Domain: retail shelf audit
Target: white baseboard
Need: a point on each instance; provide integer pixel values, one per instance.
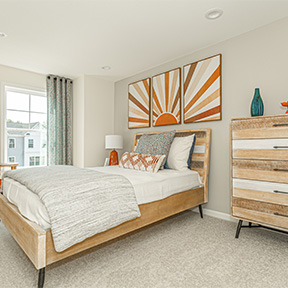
(216, 214)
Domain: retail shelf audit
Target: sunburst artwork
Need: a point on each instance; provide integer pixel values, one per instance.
(166, 98)
(202, 90)
(139, 104)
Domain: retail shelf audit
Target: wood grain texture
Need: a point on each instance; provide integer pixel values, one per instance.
(275, 154)
(260, 217)
(259, 122)
(29, 236)
(258, 186)
(261, 175)
(260, 206)
(276, 198)
(261, 133)
(268, 165)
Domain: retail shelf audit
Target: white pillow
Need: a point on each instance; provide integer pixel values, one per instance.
(179, 153)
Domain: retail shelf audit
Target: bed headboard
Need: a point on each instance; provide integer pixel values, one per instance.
(201, 154)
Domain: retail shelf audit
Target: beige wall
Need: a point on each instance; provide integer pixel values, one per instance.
(98, 117)
(93, 118)
(255, 59)
(19, 78)
(78, 122)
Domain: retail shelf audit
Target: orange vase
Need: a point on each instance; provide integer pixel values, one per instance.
(113, 158)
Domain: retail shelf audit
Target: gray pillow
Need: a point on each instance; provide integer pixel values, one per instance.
(155, 144)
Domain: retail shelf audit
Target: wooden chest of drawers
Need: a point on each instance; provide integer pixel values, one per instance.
(259, 170)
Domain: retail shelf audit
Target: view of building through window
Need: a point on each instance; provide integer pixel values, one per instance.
(26, 126)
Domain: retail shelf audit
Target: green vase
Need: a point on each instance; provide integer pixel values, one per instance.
(257, 106)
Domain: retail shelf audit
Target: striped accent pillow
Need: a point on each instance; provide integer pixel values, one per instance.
(143, 162)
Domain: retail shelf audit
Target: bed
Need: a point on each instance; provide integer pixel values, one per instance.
(37, 242)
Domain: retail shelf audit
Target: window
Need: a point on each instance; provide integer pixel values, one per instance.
(12, 143)
(34, 160)
(11, 159)
(26, 124)
(30, 143)
(31, 161)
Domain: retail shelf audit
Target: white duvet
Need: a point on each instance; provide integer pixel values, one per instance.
(148, 187)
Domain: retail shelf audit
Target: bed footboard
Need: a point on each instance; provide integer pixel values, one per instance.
(29, 236)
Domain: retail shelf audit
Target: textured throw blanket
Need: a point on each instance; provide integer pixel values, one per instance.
(80, 202)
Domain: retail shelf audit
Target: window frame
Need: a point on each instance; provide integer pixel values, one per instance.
(3, 132)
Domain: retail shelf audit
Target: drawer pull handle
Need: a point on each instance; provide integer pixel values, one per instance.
(279, 214)
(277, 191)
(282, 170)
(278, 147)
(282, 124)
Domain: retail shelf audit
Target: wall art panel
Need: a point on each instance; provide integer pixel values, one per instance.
(202, 90)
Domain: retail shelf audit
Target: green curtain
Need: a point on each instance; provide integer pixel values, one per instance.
(59, 128)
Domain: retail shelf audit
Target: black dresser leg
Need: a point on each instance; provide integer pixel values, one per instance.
(201, 211)
(41, 278)
(238, 228)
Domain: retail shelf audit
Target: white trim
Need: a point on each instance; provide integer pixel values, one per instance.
(216, 214)
(18, 88)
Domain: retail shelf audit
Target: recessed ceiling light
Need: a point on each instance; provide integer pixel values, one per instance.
(106, 67)
(213, 14)
(2, 34)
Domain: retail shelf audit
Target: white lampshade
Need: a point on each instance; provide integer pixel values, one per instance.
(113, 142)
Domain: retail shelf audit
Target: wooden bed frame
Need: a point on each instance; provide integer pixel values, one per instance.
(38, 243)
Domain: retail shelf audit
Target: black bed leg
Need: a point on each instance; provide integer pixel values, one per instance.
(41, 278)
(238, 228)
(201, 211)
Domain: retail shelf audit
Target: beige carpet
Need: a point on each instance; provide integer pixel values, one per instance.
(183, 251)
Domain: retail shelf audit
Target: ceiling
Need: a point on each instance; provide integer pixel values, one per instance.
(77, 37)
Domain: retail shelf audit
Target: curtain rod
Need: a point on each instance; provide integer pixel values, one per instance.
(60, 79)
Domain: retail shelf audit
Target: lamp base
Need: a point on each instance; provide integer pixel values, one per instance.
(113, 158)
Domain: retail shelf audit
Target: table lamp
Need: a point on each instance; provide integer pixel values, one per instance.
(113, 142)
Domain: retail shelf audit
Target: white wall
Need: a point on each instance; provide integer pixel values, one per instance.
(93, 112)
(19, 78)
(255, 59)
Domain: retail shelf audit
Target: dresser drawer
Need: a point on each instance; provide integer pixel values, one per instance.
(273, 192)
(270, 208)
(260, 217)
(260, 127)
(270, 197)
(270, 149)
(273, 171)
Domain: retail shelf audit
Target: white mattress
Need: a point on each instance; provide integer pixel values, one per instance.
(148, 187)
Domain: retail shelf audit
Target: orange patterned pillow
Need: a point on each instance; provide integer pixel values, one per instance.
(143, 162)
